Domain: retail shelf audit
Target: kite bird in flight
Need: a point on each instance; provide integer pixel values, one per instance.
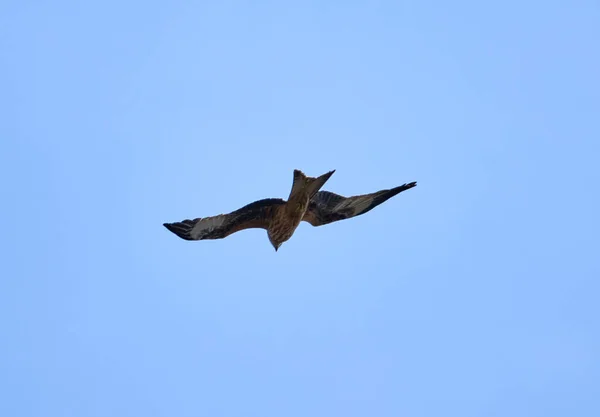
(281, 218)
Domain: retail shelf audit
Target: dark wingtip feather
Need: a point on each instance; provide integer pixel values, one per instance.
(402, 187)
(387, 194)
(181, 229)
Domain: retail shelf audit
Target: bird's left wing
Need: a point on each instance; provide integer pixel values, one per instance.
(253, 215)
(327, 207)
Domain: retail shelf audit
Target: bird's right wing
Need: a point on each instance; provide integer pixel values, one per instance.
(327, 207)
(253, 215)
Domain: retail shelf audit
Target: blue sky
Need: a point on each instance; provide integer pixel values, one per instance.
(474, 294)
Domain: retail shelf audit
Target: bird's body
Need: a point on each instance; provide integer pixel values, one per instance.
(283, 224)
(281, 218)
(287, 217)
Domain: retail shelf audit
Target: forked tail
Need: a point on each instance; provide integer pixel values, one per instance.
(309, 185)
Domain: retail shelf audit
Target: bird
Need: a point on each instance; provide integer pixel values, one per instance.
(280, 218)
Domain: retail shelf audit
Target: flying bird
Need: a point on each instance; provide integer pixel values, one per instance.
(280, 218)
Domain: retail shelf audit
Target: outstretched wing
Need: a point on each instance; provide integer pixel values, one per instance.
(254, 215)
(326, 207)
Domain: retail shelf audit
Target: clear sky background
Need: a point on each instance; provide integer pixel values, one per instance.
(474, 294)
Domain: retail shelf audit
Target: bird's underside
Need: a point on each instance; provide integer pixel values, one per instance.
(280, 217)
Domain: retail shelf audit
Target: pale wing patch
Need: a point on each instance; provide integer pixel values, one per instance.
(206, 226)
(356, 204)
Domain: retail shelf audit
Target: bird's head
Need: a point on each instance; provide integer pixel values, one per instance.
(276, 245)
(274, 242)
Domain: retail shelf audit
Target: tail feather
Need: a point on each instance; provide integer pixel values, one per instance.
(310, 185)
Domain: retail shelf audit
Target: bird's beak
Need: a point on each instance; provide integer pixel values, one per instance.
(276, 247)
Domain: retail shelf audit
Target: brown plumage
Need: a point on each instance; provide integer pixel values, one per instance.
(281, 218)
